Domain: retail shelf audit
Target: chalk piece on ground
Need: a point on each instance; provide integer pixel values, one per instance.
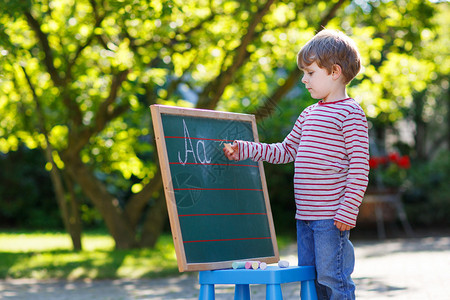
(228, 146)
(238, 264)
(283, 264)
(263, 266)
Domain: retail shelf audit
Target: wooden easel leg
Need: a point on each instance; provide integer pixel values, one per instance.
(242, 292)
(308, 290)
(206, 292)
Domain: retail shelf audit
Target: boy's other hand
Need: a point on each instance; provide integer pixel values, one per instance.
(231, 151)
(342, 226)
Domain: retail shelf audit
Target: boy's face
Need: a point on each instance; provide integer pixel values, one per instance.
(318, 82)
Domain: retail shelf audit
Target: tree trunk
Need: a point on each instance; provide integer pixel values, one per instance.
(154, 223)
(109, 207)
(71, 218)
(138, 202)
(75, 225)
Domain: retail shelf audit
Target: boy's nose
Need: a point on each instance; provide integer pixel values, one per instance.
(304, 79)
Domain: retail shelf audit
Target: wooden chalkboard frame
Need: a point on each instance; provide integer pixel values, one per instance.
(183, 265)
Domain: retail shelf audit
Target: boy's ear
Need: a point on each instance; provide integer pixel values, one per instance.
(336, 71)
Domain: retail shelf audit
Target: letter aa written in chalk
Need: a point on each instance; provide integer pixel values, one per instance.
(199, 154)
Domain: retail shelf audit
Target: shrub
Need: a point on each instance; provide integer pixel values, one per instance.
(427, 196)
(26, 194)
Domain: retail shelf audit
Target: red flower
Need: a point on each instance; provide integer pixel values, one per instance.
(394, 157)
(373, 162)
(404, 162)
(388, 171)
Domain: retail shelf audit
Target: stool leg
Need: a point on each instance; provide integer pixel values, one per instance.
(273, 292)
(242, 292)
(308, 290)
(206, 292)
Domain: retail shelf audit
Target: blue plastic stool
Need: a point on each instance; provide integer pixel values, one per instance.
(272, 277)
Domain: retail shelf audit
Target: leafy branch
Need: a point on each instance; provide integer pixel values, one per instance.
(267, 108)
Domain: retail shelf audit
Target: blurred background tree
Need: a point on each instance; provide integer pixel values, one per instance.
(77, 77)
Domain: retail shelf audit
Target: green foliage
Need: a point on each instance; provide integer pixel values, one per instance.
(26, 194)
(399, 45)
(27, 199)
(95, 67)
(13, 7)
(427, 197)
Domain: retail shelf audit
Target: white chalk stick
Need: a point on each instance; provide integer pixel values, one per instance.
(283, 264)
(263, 266)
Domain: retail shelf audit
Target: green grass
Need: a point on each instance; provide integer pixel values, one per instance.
(45, 255)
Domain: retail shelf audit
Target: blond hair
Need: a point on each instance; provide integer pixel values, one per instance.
(328, 48)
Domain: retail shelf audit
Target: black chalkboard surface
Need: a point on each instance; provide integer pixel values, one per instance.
(219, 210)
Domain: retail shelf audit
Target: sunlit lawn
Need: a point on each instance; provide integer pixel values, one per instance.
(46, 255)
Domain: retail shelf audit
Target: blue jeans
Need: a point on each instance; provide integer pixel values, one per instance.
(322, 245)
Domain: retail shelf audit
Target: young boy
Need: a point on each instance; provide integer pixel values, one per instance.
(329, 144)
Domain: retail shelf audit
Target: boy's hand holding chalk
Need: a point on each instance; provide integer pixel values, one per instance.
(228, 147)
(231, 151)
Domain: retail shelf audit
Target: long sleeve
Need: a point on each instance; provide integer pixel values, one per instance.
(330, 147)
(356, 141)
(277, 153)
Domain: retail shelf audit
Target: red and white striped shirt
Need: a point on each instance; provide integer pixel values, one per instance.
(330, 146)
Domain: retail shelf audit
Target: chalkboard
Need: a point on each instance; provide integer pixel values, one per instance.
(219, 210)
